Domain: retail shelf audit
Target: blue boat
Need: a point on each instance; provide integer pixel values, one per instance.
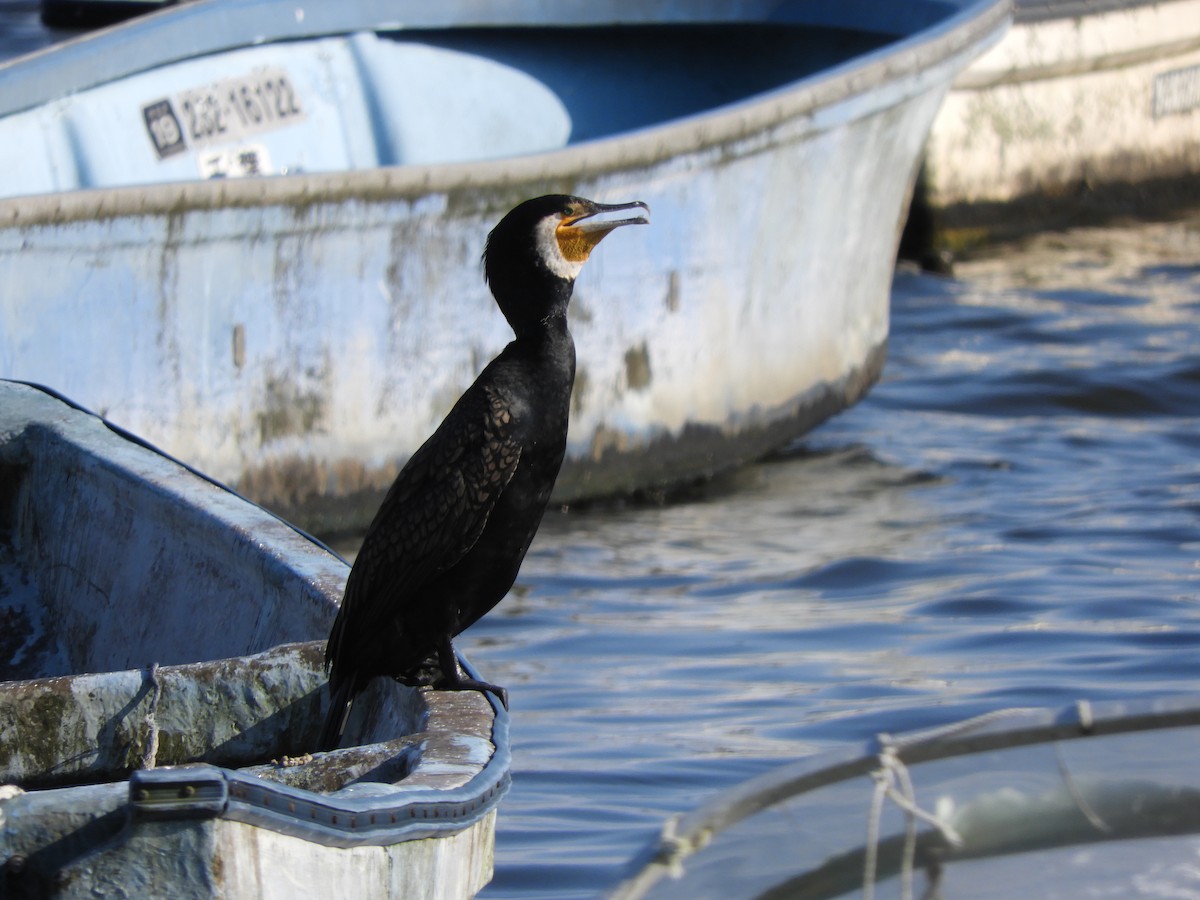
(250, 231)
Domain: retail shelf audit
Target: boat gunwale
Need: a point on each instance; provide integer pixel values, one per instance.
(1001, 729)
(978, 24)
(402, 812)
(1077, 62)
(1054, 10)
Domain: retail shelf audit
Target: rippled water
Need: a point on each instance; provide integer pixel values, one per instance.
(1011, 518)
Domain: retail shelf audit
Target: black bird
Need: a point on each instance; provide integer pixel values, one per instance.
(446, 545)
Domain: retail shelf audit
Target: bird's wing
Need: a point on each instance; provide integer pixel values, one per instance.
(432, 515)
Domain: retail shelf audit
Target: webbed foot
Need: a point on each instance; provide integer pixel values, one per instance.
(454, 680)
(474, 684)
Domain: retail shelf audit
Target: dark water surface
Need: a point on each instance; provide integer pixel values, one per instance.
(1012, 518)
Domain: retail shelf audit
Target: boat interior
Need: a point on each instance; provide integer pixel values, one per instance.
(114, 556)
(149, 617)
(408, 97)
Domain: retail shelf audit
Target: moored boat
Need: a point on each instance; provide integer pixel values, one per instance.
(163, 682)
(298, 336)
(1084, 110)
(1016, 802)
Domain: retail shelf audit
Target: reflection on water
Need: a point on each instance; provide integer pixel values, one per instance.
(1011, 518)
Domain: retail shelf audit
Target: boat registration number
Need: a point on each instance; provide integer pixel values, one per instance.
(224, 112)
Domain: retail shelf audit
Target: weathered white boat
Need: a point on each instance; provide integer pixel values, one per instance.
(1006, 805)
(180, 770)
(1086, 106)
(299, 336)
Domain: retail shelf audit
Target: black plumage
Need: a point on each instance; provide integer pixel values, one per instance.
(450, 536)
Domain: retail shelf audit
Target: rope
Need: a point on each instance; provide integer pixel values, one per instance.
(909, 798)
(674, 848)
(1076, 796)
(148, 755)
(871, 859)
(893, 782)
(1083, 709)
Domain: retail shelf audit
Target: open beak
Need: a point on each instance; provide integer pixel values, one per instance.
(579, 234)
(604, 217)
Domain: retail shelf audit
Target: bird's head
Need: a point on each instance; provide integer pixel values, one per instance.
(534, 255)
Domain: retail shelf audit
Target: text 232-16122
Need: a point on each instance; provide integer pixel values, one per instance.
(239, 106)
(224, 112)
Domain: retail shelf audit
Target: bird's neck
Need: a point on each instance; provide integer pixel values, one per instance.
(532, 303)
(549, 341)
(550, 331)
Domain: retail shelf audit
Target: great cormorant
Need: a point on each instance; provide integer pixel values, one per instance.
(449, 538)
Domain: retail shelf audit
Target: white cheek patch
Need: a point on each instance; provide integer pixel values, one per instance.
(550, 253)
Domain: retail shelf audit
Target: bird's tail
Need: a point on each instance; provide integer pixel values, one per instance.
(338, 715)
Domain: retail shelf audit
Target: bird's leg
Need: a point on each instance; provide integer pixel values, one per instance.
(452, 679)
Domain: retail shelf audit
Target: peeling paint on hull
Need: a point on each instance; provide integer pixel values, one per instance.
(613, 467)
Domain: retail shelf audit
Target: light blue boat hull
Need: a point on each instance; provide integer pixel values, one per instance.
(299, 336)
